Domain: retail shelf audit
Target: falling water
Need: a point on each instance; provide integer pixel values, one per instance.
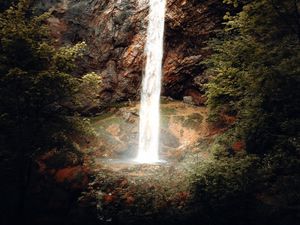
(151, 85)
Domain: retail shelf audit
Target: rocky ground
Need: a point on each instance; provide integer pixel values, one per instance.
(182, 125)
(111, 187)
(125, 192)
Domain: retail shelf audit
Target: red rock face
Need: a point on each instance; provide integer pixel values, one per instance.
(115, 32)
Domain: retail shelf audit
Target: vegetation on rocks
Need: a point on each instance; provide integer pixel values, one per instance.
(255, 74)
(252, 92)
(236, 161)
(37, 98)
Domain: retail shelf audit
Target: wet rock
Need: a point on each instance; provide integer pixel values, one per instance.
(114, 129)
(115, 32)
(128, 115)
(169, 140)
(117, 133)
(188, 100)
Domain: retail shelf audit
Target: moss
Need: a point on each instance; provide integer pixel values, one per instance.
(193, 121)
(119, 105)
(107, 120)
(169, 140)
(113, 120)
(179, 119)
(100, 117)
(165, 121)
(167, 111)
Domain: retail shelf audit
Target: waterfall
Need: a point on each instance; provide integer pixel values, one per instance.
(149, 127)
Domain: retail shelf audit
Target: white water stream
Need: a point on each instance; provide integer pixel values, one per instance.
(148, 149)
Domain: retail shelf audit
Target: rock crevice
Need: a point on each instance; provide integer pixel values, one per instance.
(115, 32)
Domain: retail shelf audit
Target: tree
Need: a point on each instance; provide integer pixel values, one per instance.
(36, 88)
(4, 4)
(254, 79)
(255, 73)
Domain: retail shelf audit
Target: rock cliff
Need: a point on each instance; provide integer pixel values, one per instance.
(115, 32)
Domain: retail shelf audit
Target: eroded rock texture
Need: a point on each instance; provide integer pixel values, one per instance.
(115, 31)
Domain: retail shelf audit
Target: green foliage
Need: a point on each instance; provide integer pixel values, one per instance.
(226, 181)
(255, 73)
(34, 80)
(254, 78)
(4, 4)
(234, 2)
(89, 95)
(281, 175)
(138, 194)
(249, 190)
(37, 95)
(225, 190)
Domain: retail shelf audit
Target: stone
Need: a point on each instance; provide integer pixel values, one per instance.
(188, 100)
(197, 97)
(168, 139)
(115, 32)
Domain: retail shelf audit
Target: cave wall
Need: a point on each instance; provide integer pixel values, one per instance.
(115, 32)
